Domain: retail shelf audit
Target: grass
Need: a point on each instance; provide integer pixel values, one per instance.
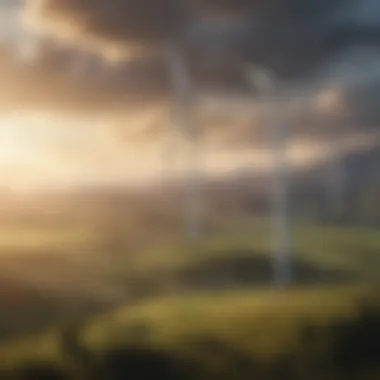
(227, 258)
(347, 249)
(214, 330)
(29, 239)
(252, 319)
(326, 246)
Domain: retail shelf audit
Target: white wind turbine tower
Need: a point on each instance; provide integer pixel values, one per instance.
(183, 116)
(210, 35)
(264, 82)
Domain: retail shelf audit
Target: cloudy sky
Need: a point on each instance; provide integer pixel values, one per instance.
(86, 93)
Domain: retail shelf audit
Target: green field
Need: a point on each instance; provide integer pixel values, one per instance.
(235, 335)
(211, 306)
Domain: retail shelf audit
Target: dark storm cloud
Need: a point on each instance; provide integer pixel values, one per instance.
(291, 37)
(54, 81)
(288, 36)
(135, 21)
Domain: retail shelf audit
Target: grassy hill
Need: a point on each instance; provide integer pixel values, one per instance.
(208, 310)
(318, 332)
(92, 275)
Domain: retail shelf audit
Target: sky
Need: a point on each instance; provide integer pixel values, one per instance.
(86, 94)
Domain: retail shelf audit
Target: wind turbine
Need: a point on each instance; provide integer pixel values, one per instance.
(263, 81)
(211, 37)
(212, 34)
(183, 115)
(218, 35)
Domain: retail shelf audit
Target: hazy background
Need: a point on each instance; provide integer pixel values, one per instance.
(94, 176)
(76, 112)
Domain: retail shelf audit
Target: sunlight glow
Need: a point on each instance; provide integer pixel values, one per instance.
(33, 148)
(13, 147)
(45, 150)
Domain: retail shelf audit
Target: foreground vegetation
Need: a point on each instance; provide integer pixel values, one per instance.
(92, 273)
(205, 311)
(320, 332)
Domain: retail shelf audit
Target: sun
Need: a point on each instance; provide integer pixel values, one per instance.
(27, 150)
(44, 149)
(29, 138)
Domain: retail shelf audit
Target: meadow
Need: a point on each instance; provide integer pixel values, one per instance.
(85, 301)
